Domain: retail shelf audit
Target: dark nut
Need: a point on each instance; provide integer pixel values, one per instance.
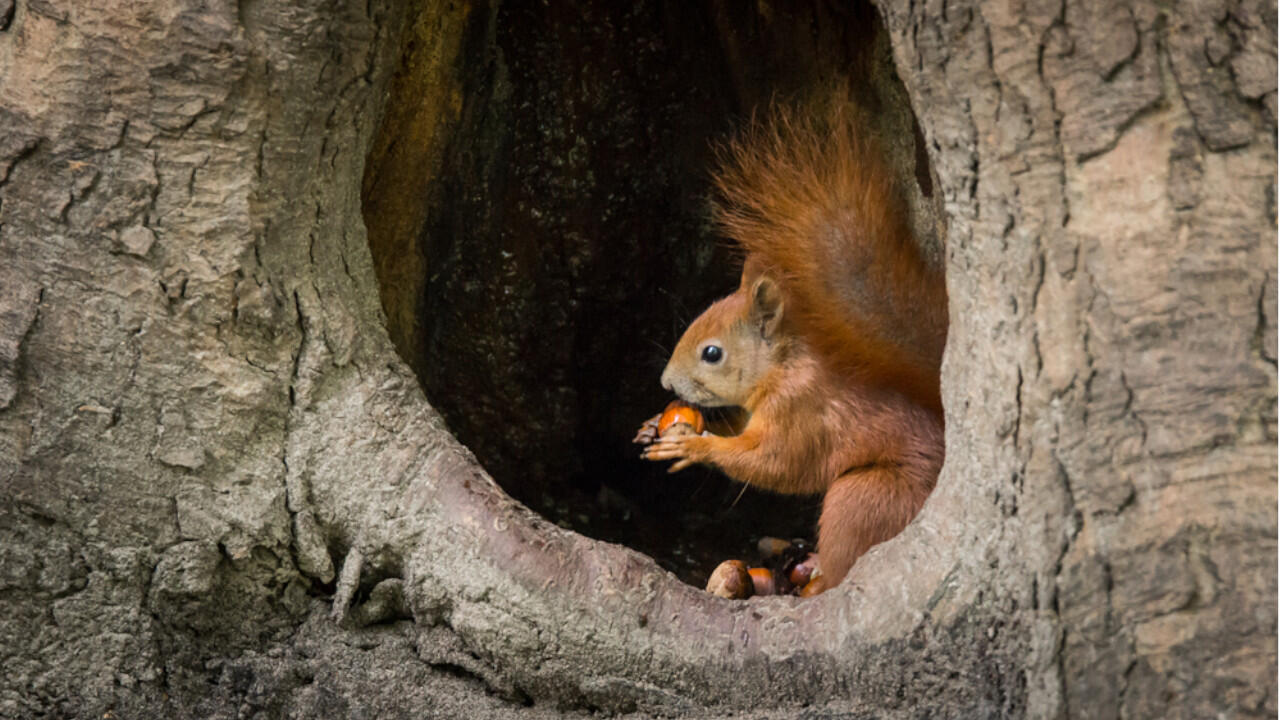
(771, 547)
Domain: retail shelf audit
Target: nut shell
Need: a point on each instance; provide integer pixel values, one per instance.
(679, 412)
(803, 571)
(814, 587)
(730, 580)
(762, 581)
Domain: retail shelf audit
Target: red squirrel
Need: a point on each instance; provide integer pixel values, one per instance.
(831, 344)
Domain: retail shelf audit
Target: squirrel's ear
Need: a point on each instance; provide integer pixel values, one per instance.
(766, 306)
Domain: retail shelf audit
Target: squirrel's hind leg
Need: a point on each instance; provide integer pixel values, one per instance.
(864, 507)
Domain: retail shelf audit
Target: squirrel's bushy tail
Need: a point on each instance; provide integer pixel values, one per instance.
(809, 198)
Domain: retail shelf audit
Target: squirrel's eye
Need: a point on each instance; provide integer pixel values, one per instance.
(712, 354)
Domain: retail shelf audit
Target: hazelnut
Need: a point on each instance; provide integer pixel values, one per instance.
(803, 571)
(730, 580)
(762, 581)
(680, 413)
(814, 586)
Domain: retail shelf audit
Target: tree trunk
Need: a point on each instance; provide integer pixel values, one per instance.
(225, 494)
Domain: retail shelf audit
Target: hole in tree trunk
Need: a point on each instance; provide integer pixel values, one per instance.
(537, 210)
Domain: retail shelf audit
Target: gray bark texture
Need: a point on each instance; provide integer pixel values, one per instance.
(223, 494)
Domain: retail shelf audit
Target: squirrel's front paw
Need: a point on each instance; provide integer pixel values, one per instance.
(648, 432)
(684, 449)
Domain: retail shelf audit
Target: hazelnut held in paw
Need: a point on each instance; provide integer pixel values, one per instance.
(679, 418)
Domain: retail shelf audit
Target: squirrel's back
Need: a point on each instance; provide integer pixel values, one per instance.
(809, 198)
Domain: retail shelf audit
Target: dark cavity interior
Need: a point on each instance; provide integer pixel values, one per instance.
(537, 210)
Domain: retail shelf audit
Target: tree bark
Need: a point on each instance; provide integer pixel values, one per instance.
(1110, 179)
(225, 495)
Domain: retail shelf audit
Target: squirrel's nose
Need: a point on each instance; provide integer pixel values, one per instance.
(666, 379)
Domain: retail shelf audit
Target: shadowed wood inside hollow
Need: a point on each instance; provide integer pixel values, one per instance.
(539, 225)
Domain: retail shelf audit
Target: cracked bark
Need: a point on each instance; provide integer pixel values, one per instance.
(196, 436)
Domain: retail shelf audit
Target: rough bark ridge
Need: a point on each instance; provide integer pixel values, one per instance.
(207, 441)
(1109, 172)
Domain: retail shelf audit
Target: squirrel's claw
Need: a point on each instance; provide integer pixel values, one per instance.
(648, 431)
(681, 448)
(664, 449)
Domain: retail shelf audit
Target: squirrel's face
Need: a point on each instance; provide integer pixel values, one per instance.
(726, 351)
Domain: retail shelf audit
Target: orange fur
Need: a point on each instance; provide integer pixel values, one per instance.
(848, 402)
(810, 201)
